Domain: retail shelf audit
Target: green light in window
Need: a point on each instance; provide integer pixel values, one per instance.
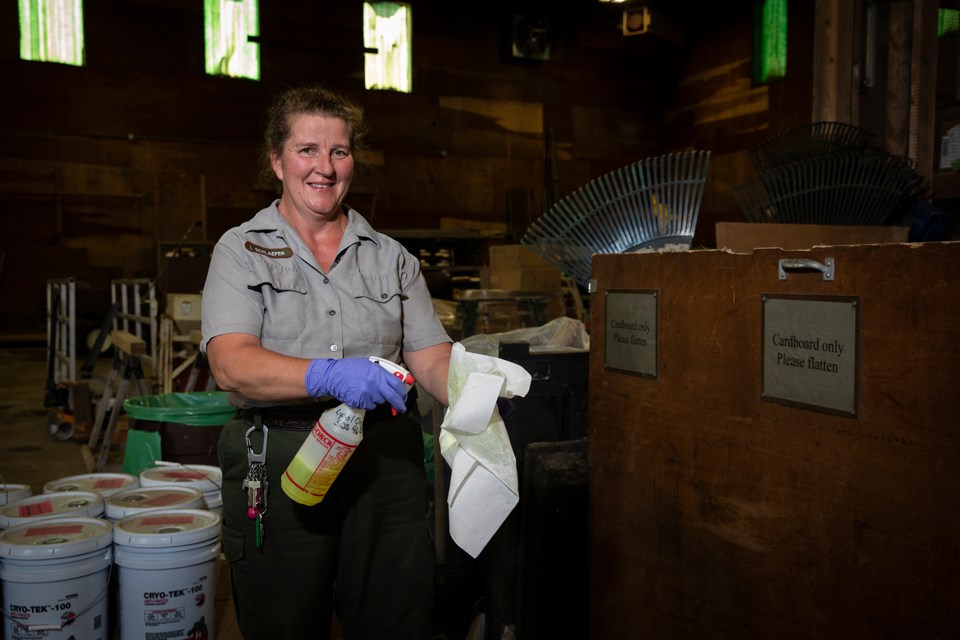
(387, 28)
(52, 31)
(770, 40)
(948, 21)
(227, 27)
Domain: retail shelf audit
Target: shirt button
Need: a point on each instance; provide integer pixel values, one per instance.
(383, 296)
(334, 347)
(326, 281)
(332, 312)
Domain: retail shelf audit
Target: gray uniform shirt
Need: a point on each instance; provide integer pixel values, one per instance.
(264, 281)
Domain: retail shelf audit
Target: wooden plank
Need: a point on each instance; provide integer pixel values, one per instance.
(715, 514)
(834, 95)
(923, 86)
(128, 343)
(899, 55)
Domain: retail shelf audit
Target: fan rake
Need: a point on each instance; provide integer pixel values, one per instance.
(851, 188)
(652, 203)
(807, 141)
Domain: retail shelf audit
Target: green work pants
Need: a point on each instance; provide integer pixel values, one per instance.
(365, 549)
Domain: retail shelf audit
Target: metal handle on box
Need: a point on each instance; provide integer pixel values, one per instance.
(827, 267)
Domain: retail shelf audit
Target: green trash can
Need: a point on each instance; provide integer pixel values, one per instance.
(188, 425)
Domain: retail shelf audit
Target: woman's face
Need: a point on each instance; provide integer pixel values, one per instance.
(315, 165)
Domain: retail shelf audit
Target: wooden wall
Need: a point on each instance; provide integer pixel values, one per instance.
(717, 107)
(119, 159)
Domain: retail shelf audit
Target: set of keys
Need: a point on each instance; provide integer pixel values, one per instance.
(256, 484)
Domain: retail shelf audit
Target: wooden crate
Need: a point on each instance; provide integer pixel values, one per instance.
(744, 237)
(716, 514)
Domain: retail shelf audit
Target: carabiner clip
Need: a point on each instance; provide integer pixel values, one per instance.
(261, 457)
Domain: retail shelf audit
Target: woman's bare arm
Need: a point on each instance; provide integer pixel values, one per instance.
(429, 367)
(240, 364)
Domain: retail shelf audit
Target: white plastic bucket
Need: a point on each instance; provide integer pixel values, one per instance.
(106, 484)
(213, 501)
(135, 501)
(167, 573)
(47, 506)
(10, 493)
(202, 477)
(55, 576)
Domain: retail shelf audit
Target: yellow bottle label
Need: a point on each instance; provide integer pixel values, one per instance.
(322, 455)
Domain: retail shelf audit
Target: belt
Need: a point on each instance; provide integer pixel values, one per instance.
(298, 418)
(295, 418)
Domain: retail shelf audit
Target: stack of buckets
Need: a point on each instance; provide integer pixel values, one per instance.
(58, 550)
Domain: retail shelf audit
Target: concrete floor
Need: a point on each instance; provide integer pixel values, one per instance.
(29, 455)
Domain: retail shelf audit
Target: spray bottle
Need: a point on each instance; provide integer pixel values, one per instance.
(328, 447)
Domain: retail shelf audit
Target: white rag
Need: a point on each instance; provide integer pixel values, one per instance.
(484, 487)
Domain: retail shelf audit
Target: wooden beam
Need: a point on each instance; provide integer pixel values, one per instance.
(128, 343)
(899, 69)
(836, 71)
(923, 86)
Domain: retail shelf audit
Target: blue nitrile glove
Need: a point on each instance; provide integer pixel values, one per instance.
(360, 383)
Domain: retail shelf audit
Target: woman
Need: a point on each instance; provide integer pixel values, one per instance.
(296, 300)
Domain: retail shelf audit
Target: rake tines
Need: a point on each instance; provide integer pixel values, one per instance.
(853, 188)
(651, 203)
(805, 141)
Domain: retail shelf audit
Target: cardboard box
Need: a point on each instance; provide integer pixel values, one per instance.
(524, 279)
(184, 309)
(514, 267)
(744, 237)
(183, 306)
(516, 255)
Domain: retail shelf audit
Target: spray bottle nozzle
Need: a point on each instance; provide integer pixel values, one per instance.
(394, 369)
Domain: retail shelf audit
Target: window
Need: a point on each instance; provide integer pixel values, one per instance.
(227, 26)
(948, 21)
(769, 40)
(52, 31)
(387, 28)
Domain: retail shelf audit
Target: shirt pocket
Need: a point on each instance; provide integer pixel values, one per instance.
(284, 293)
(379, 301)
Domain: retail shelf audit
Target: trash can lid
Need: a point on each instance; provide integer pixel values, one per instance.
(196, 408)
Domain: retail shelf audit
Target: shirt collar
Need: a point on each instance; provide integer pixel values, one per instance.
(269, 220)
(359, 226)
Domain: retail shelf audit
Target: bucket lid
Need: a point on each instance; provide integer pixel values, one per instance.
(10, 493)
(202, 477)
(213, 499)
(55, 538)
(139, 499)
(165, 528)
(45, 506)
(103, 483)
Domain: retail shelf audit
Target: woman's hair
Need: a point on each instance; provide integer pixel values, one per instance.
(307, 100)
